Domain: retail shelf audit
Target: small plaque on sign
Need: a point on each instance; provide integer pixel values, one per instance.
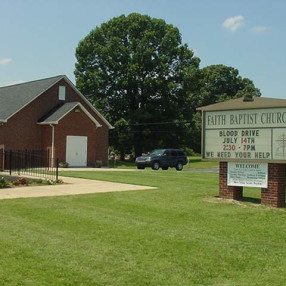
(247, 174)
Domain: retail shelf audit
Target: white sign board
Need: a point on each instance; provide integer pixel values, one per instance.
(245, 135)
(247, 174)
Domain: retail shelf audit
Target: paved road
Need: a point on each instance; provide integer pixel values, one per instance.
(213, 170)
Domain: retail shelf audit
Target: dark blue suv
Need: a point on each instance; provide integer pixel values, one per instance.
(163, 158)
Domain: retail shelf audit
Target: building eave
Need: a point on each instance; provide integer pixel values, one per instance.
(239, 103)
(88, 103)
(68, 111)
(60, 78)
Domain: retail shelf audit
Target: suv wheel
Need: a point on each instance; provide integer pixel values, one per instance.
(156, 166)
(179, 166)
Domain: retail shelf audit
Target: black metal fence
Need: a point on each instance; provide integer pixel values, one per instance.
(35, 163)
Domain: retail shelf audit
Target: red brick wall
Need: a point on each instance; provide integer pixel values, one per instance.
(22, 131)
(225, 191)
(1, 157)
(2, 128)
(98, 146)
(274, 195)
(101, 145)
(77, 124)
(72, 96)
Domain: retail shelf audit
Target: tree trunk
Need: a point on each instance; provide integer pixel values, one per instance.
(138, 142)
(122, 155)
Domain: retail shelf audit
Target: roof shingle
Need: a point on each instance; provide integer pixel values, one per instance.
(15, 97)
(239, 103)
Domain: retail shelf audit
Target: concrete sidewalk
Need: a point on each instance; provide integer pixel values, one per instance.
(71, 186)
(97, 169)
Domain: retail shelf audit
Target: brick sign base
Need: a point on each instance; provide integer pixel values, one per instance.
(274, 195)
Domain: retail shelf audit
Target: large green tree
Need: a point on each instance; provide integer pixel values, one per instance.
(135, 68)
(219, 83)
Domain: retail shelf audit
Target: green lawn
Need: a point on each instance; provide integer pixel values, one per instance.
(194, 163)
(178, 234)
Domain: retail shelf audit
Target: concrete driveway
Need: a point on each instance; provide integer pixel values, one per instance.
(76, 186)
(71, 186)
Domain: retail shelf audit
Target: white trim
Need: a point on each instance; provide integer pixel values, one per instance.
(62, 92)
(90, 105)
(53, 145)
(76, 90)
(82, 108)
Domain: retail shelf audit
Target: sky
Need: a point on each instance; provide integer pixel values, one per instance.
(39, 37)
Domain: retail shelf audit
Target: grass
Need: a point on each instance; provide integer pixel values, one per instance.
(178, 234)
(197, 163)
(194, 163)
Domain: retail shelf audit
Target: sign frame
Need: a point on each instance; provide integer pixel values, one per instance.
(247, 175)
(271, 121)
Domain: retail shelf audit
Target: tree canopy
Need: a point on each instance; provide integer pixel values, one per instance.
(220, 83)
(136, 68)
(137, 72)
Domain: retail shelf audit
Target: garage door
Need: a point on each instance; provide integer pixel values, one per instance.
(76, 151)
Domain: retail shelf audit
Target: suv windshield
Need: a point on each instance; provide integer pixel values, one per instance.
(157, 152)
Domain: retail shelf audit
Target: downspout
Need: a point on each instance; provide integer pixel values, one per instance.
(2, 147)
(53, 144)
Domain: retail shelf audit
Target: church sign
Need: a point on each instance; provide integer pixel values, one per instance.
(248, 138)
(245, 135)
(247, 174)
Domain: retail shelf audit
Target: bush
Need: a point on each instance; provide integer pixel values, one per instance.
(16, 183)
(23, 181)
(54, 182)
(3, 183)
(190, 152)
(98, 164)
(63, 164)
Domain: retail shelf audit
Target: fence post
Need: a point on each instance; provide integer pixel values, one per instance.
(57, 169)
(10, 162)
(2, 159)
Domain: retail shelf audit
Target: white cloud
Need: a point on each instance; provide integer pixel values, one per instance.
(5, 61)
(234, 23)
(258, 29)
(11, 82)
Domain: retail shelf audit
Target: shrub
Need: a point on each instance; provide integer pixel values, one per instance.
(16, 183)
(98, 164)
(63, 164)
(23, 181)
(54, 182)
(3, 183)
(190, 152)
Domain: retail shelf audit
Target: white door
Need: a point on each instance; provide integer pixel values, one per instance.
(76, 151)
